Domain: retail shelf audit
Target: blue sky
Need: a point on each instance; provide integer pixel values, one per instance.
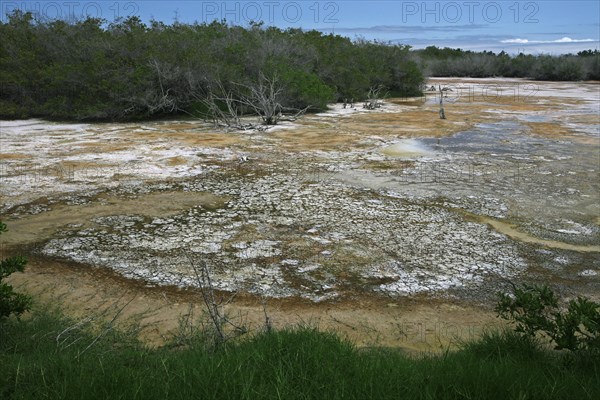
(514, 26)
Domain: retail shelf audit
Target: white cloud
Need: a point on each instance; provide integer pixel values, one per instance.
(494, 44)
(561, 40)
(569, 40)
(379, 29)
(521, 41)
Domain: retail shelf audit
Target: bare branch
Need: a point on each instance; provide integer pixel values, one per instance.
(374, 98)
(262, 98)
(214, 306)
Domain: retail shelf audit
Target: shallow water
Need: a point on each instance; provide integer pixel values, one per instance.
(407, 148)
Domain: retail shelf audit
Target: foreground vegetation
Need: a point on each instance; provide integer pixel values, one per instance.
(39, 359)
(11, 302)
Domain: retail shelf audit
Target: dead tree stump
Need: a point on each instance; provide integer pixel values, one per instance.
(442, 113)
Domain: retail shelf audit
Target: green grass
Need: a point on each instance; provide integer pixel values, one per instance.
(291, 364)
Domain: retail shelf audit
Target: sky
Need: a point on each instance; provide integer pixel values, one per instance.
(531, 27)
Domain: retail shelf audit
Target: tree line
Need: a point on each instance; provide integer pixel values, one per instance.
(95, 70)
(125, 70)
(446, 62)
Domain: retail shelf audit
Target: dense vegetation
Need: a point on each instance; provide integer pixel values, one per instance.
(40, 358)
(95, 70)
(445, 62)
(126, 69)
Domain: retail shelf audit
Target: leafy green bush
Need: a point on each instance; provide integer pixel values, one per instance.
(307, 89)
(11, 302)
(536, 309)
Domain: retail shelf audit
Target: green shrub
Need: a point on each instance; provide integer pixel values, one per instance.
(11, 302)
(535, 309)
(306, 89)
